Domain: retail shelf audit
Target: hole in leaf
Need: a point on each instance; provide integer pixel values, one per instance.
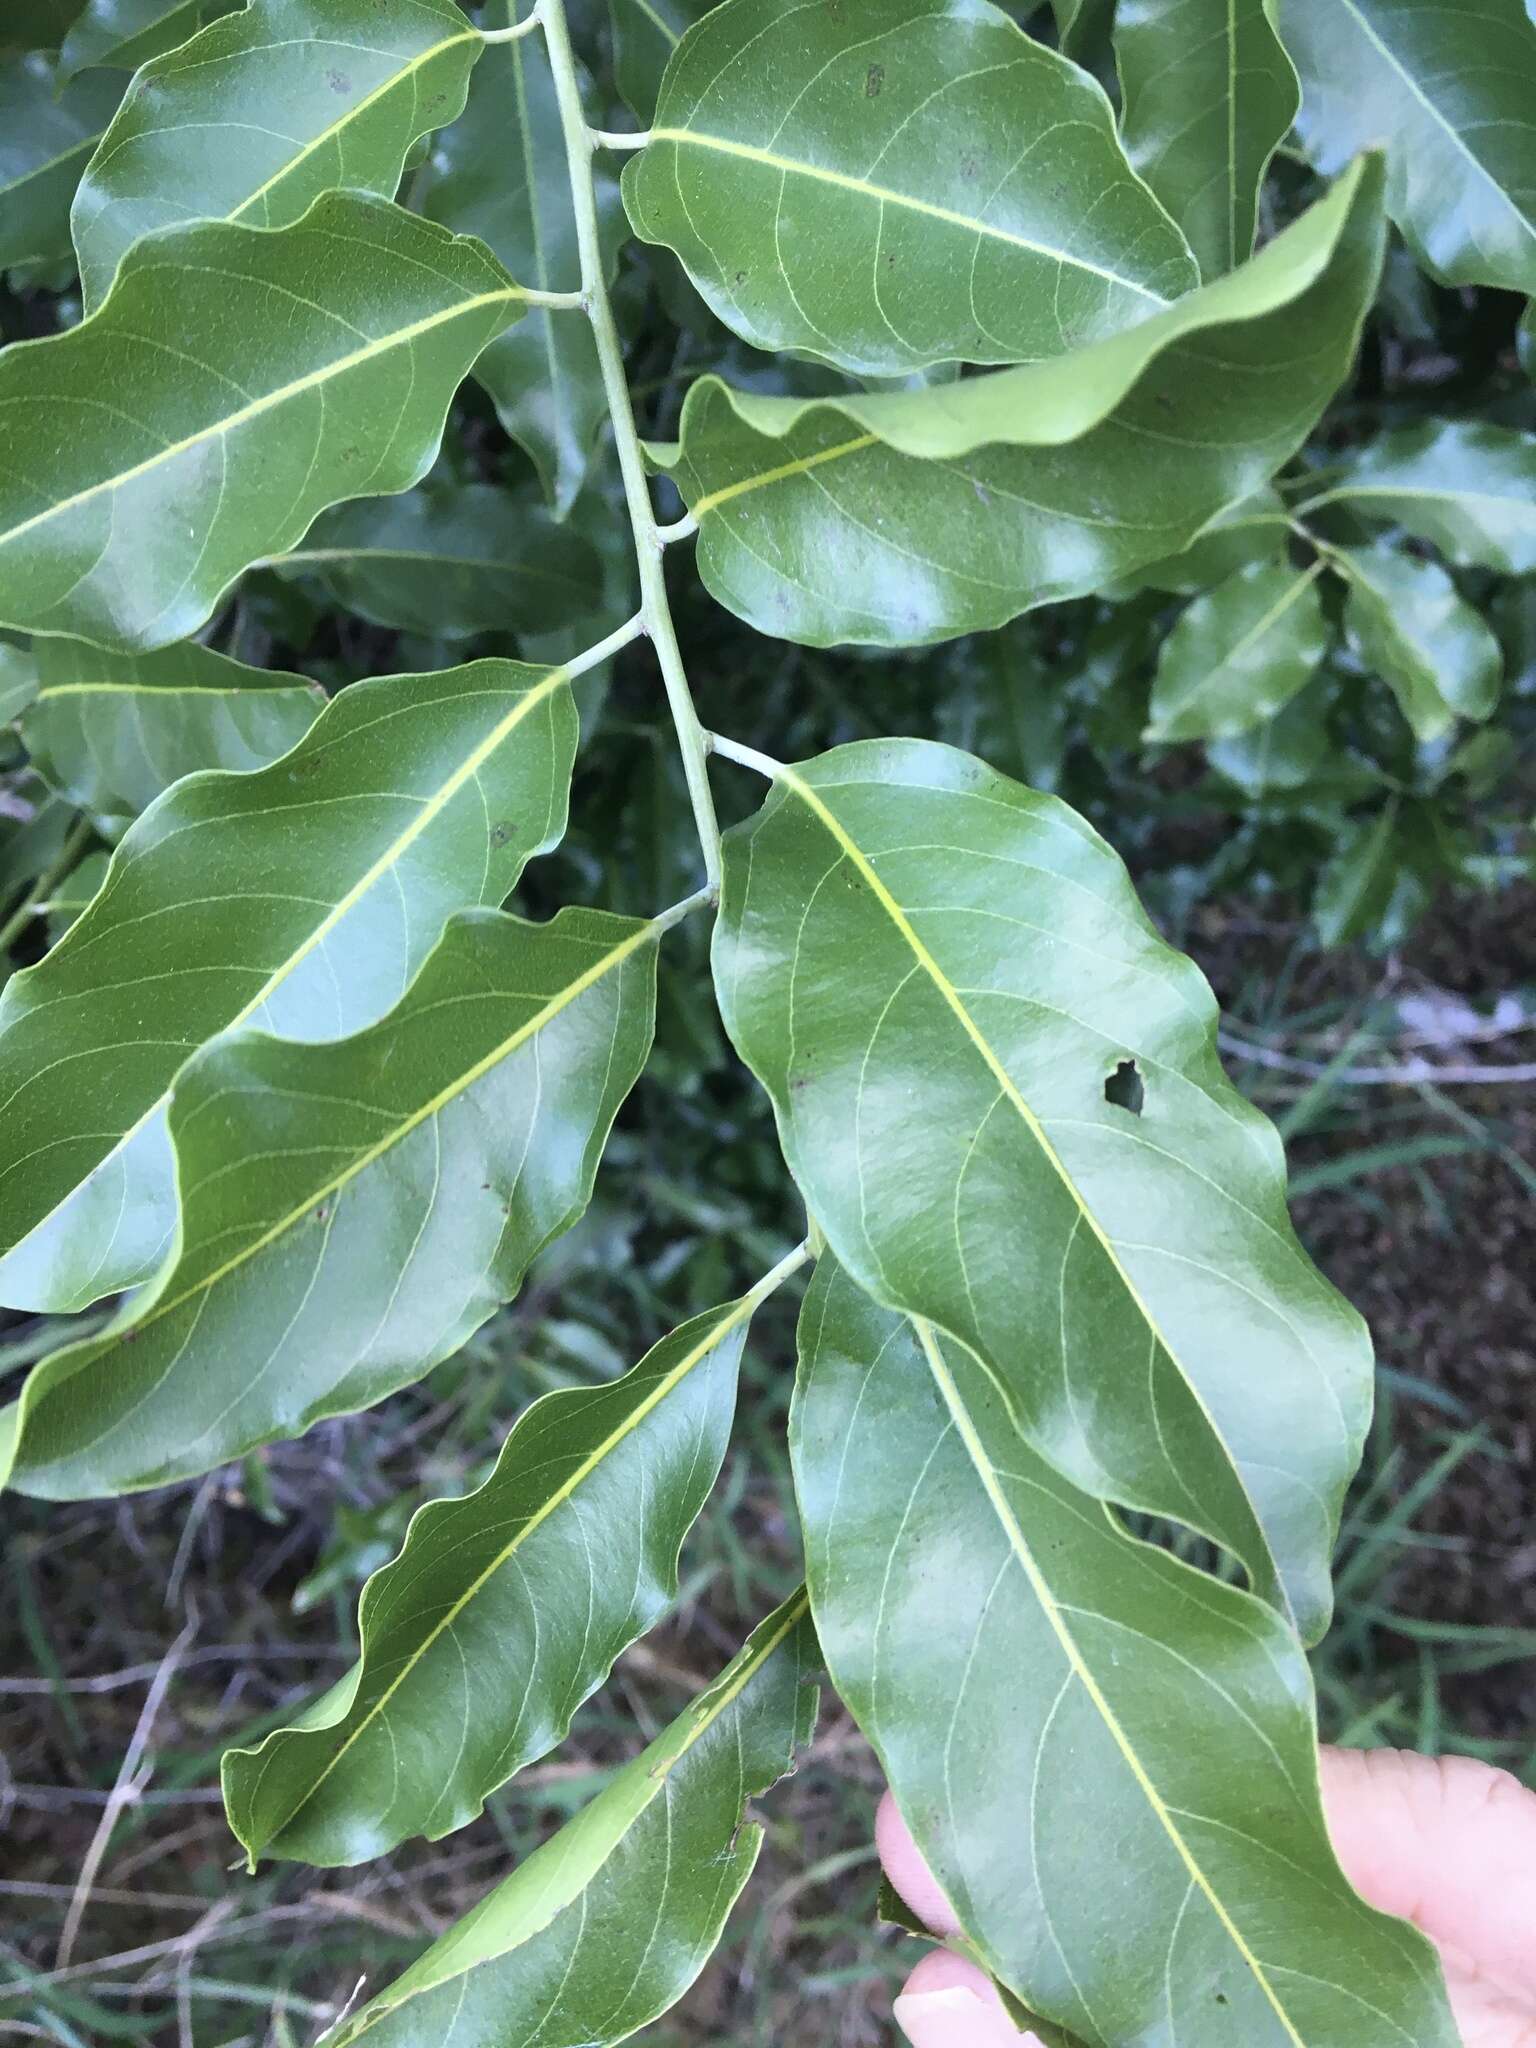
(1124, 1088)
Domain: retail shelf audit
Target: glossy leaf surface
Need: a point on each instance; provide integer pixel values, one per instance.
(1406, 620)
(503, 1611)
(1207, 94)
(128, 33)
(1130, 1277)
(1467, 485)
(113, 731)
(608, 1923)
(265, 110)
(830, 178)
(500, 173)
(1236, 655)
(905, 517)
(1031, 1678)
(300, 899)
(469, 560)
(1451, 93)
(321, 369)
(351, 1213)
(46, 138)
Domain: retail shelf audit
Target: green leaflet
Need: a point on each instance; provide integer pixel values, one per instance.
(1081, 26)
(608, 1923)
(301, 898)
(1281, 753)
(477, 1646)
(1450, 91)
(1238, 653)
(1406, 621)
(1355, 889)
(18, 680)
(1032, 1679)
(500, 173)
(1207, 95)
(73, 895)
(351, 1213)
(1129, 1277)
(321, 369)
(127, 33)
(906, 517)
(830, 178)
(645, 33)
(264, 111)
(1467, 485)
(46, 137)
(1255, 529)
(112, 731)
(473, 559)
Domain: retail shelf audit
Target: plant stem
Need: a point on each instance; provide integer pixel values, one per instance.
(692, 740)
(745, 757)
(531, 20)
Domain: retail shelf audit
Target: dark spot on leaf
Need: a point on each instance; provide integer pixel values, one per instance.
(338, 81)
(874, 78)
(741, 277)
(969, 168)
(501, 832)
(321, 1213)
(1124, 1088)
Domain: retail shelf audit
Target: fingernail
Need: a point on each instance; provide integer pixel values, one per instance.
(957, 2018)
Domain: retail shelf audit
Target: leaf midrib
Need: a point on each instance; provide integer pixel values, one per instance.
(888, 196)
(986, 1472)
(737, 1313)
(399, 337)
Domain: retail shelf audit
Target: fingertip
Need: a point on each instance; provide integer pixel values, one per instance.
(908, 1873)
(949, 2003)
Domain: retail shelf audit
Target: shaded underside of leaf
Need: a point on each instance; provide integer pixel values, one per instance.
(1031, 1678)
(905, 517)
(300, 899)
(350, 1213)
(608, 1923)
(124, 524)
(111, 732)
(503, 1611)
(1129, 1275)
(830, 179)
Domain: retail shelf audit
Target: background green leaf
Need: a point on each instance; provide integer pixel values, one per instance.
(46, 138)
(265, 110)
(112, 731)
(956, 1117)
(1238, 653)
(1031, 1678)
(1407, 622)
(1207, 94)
(1467, 485)
(321, 369)
(127, 33)
(476, 1649)
(471, 559)
(828, 176)
(562, 1955)
(301, 898)
(1451, 93)
(351, 1213)
(904, 517)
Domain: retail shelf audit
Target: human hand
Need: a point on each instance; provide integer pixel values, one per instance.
(1446, 1843)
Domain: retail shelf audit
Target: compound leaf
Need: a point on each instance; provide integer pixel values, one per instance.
(46, 138)
(907, 516)
(608, 1923)
(128, 33)
(1207, 94)
(1238, 653)
(473, 559)
(301, 899)
(503, 1611)
(320, 369)
(1467, 485)
(1012, 1122)
(1406, 621)
(832, 179)
(111, 732)
(1451, 91)
(265, 110)
(500, 173)
(351, 1213)
(1030, 1677)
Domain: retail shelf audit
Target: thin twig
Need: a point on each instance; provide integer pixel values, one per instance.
(1406, 1073)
